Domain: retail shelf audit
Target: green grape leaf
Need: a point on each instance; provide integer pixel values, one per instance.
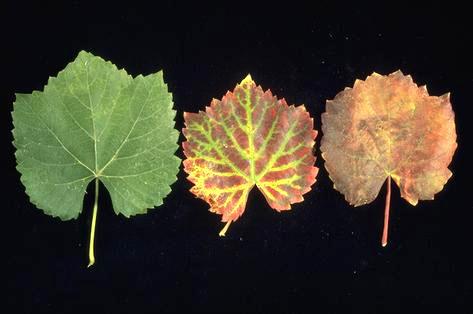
(95, 122)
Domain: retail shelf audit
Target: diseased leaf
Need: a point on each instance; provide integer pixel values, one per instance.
(95, 122)
(388, 127)
(249, 138)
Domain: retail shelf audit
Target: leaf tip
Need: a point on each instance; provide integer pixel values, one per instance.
(446, 96)
(247, 80)
(410, 200)
(186, 115)
(83, 52)
(398, 72)
(84, 55)
(357, 82)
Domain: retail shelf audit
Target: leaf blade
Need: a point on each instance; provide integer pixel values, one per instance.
(387, 127)
(374, 142)
(65, 134)
(240, 141)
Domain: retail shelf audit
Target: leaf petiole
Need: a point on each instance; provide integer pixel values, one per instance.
(384, 240)
(92, 227)
(225, 229)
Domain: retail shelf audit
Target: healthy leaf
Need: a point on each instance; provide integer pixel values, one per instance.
(249, 138)
(95, 122)
(388, 127)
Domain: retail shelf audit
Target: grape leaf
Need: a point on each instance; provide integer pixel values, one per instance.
(95, 122)
(249, 138)
(387, 127)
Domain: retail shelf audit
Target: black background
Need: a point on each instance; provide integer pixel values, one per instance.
(323, 256)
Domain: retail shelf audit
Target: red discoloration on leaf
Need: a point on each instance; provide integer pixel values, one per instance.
(249, 138)
(388, 127)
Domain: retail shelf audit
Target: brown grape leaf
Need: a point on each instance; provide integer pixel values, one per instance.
(387, 127)
(249, 138)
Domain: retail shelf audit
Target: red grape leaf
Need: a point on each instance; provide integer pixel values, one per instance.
(387, 127)
(249, 138)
